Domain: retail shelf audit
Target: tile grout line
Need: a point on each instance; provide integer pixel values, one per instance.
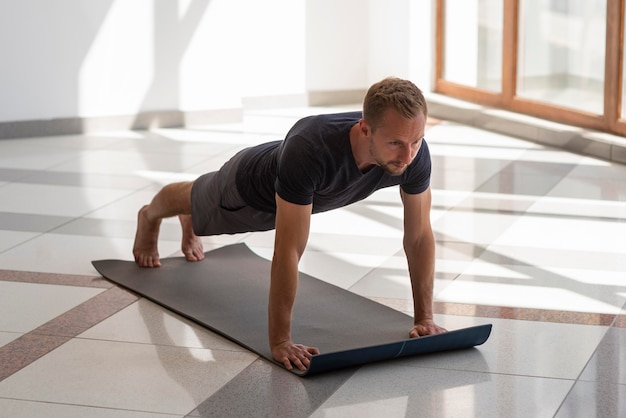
(582, 370)
(35, 344)
(508, 312)
(54, 279)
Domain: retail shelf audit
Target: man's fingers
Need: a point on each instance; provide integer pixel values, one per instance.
(300, 361)
(302, 356)
(297, 355)
(313, 350)
(429, 328)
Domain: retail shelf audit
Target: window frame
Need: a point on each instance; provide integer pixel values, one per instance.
(609, 121)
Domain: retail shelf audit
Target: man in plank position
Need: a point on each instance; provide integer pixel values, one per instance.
(325, 162)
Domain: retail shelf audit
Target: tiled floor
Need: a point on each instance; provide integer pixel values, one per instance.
(530, 239)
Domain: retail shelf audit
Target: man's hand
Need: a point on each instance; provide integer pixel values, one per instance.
(290, 354)
(425, 327)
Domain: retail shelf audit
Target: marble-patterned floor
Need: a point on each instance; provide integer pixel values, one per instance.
(529, 238)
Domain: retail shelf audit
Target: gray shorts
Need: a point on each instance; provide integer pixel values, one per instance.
(218, 208)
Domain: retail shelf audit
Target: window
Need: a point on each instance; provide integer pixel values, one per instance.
(555, 59)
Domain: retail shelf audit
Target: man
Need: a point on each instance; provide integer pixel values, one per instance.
(325, 162)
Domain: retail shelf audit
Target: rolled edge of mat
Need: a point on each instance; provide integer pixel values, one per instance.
(451, 340)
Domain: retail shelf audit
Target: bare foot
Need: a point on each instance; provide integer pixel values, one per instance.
(191, 243)
(145, 248)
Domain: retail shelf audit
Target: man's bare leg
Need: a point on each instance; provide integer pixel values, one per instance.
(173, 200)
(191, 244)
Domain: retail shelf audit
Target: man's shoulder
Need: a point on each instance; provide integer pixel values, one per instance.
(337, 117)
(324, 126)
(329, 119)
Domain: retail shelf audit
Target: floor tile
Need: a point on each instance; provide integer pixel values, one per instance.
(7, 337)
(578, 208)
(69, 142)
(136, 377)
(529, 237)
(342, 269)
(524, 348)
(453, 133)
(125, 208)
(27, 409)
(92, 180)
(25, 155)
(608, 364)
(594, 400)
(26, 222)
(14, 174)
(526, 178)
(174, 141)
(538, 287)
(127, 163)
(543, 154)
(391, 279)
(538, 255)
(109, 228)
(388, 280)
(456, 180)
(567, 234)
(497, 202)
(25, 306)
(593, 168)
(365, 219)
(446, 199)
(400, 390)
(590, 188)
(147, 323)
(55, 200)
(42, 254)
(475, 227)
(9, 239)
(271, 392)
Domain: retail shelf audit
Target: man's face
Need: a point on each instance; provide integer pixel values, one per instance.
(396, 141)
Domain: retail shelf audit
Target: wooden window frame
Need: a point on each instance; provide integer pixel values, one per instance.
(610, 121)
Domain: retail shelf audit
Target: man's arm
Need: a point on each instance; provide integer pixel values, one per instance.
(292, 233)
(419, 246)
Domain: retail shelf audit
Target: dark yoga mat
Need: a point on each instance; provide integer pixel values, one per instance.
(227, 293)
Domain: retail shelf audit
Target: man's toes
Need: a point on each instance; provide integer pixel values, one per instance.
(189, 256)
(148, 261)
(194, 255)
(155, 262)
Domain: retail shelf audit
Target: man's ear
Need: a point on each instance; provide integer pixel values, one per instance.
(365, 128)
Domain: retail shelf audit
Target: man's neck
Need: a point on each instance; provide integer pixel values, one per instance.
(360, 148)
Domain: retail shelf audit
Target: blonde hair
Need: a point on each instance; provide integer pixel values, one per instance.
(393, 93)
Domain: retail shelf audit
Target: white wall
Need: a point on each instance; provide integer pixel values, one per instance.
(421, 48)
(244, 48)
(336, 44)
(389, 32)
(81, 59)
(354, 43)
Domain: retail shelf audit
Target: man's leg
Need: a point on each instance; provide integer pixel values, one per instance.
(191, 244)
(173, 200)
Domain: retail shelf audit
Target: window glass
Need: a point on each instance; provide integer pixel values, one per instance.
(473, 43)
(561, 53)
